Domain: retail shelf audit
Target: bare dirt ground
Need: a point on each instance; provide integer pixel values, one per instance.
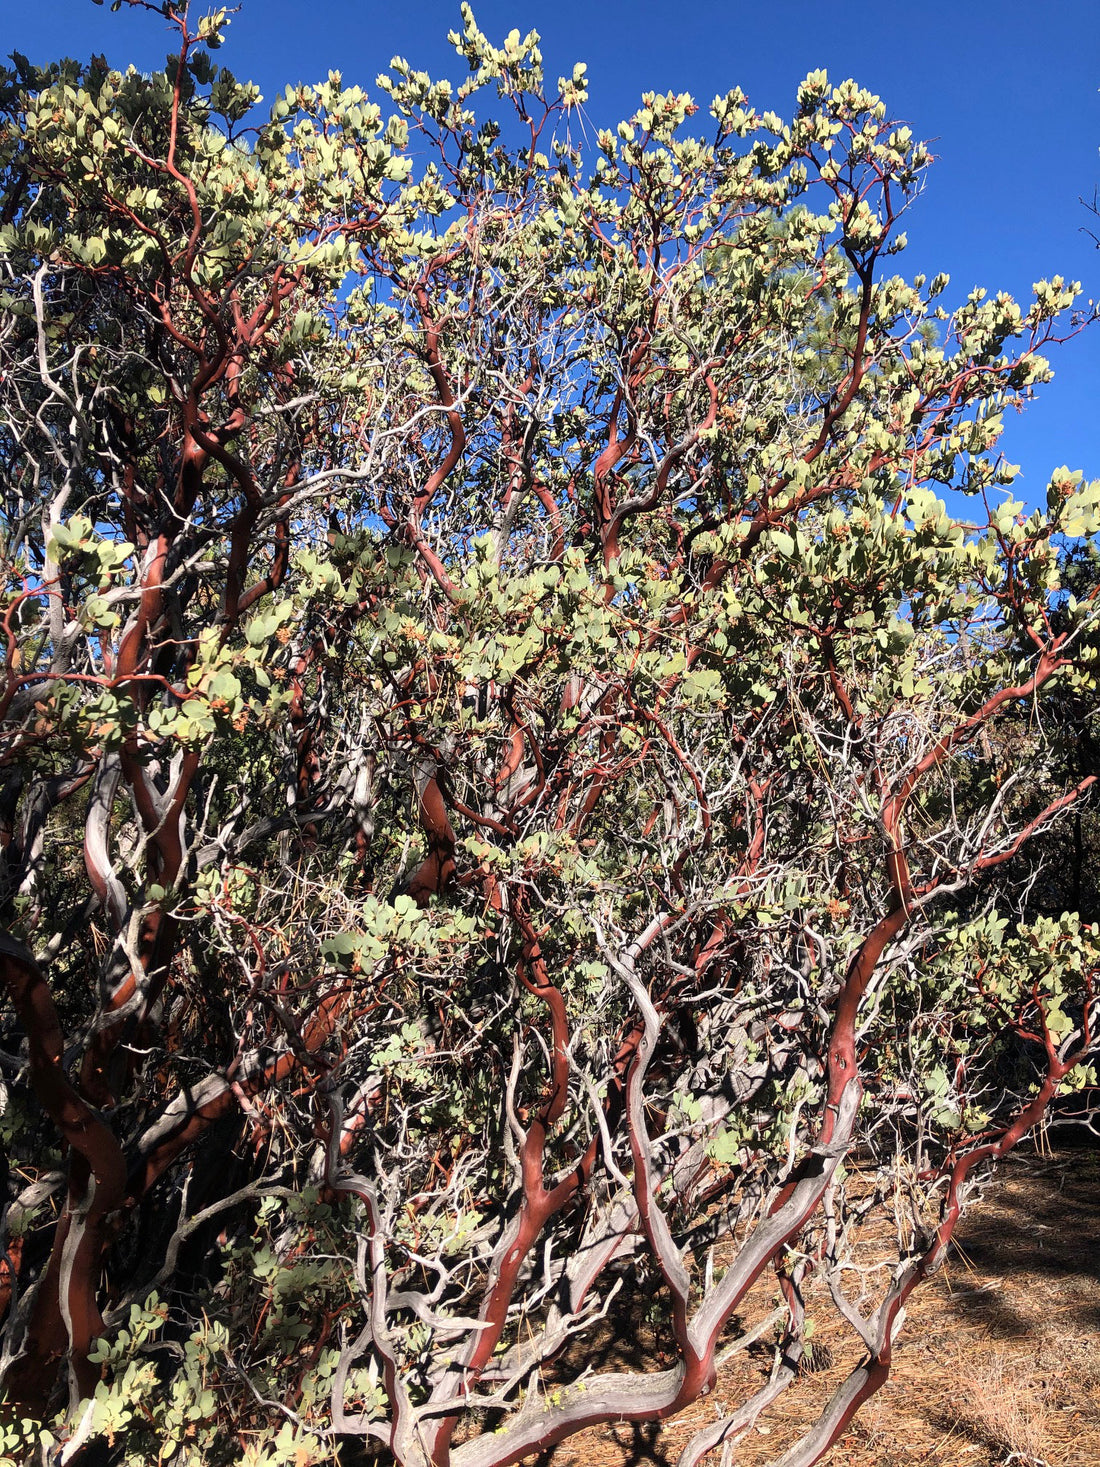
(998, 1362)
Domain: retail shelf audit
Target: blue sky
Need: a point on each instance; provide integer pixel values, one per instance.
(1005, 91)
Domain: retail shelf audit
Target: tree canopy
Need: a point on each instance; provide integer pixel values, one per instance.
(516, 792)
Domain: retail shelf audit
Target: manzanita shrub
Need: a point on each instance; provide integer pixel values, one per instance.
(517, 797)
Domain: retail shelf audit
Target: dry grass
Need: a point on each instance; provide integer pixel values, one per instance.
(1010, 1413)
